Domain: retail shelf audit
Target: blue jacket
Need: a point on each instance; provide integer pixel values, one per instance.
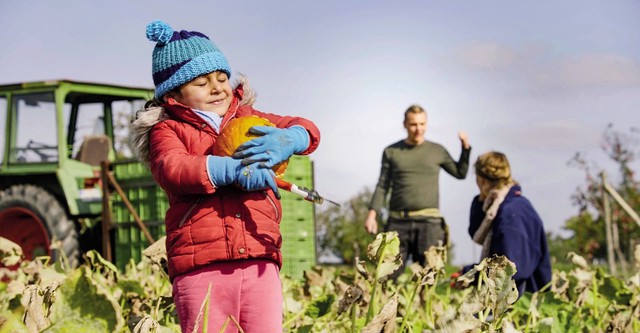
(519, 235)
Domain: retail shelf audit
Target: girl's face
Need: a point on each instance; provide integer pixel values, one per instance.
(210, 92)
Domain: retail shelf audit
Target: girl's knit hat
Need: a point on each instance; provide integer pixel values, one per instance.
(180, 57)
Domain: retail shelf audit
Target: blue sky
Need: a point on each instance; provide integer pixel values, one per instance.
(538, 80)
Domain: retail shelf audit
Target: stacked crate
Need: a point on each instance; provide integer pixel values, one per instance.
(298, 220)
(150, 203)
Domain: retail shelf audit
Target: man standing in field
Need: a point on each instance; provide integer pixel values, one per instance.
(410, 170)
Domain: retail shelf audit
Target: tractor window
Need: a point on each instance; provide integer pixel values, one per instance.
(123, 113)
(90, 122)
(35, 138)
(3, 121)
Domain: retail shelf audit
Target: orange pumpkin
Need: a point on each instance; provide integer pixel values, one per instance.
(236, 132)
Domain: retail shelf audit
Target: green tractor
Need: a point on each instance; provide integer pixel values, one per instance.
(69, 182)
(57, 134)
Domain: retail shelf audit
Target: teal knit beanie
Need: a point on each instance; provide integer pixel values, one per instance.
(180, 57)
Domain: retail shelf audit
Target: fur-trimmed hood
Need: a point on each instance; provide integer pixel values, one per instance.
(140, 128)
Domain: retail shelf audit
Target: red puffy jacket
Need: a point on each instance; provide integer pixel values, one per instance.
(205, 224)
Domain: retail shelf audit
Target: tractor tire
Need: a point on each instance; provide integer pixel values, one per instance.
(32, 217)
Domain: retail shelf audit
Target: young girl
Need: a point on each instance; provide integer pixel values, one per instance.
(505, 223)
(223, 220)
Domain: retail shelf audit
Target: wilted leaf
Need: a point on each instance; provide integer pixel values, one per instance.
(10, 252)
(502, 288)
(146, 325)
(34, 312)
(464, 323)
(14, 288)
(361, 268)
(157, 252)
(507, 327)
(351, 296)
(385, 321)
(313, 278)
(49, 277)
(465, 280)
(436, 257)
(416, 270)
(560, 285)
(583, 278)
(472, 304)
(577, 260)
(430, 278)
(634, 281)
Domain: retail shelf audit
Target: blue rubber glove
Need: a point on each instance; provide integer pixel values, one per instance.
(274, 146)
(253, 178)
(226, 171)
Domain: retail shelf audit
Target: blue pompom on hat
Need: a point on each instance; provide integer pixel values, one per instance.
(180, 57)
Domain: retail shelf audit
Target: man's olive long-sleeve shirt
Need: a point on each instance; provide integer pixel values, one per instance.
(412, 174)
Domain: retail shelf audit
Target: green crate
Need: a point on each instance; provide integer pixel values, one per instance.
(299, 213)
(295, 266)
(131, 170)
(149, 202)
(300, 164)
(299, 247)
(129, 242)
(301, 229)
(298, 220)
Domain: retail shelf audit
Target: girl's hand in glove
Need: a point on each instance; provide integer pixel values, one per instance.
(226, 171)
(275, 145)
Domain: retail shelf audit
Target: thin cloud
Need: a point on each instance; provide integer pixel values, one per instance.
(489, 56)
(537, 70)
(552, 135)
(593, 71)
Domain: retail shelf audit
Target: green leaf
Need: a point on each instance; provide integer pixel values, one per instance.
(11, 323)
(78, 303)
(97, 262)
(131, 286)
(74, 324)
(385, 250)
(614, 290)
(522, 305)
(305, 329)
(320, 306)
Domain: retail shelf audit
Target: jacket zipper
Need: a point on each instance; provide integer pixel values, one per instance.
(186, 215)
(273, 204)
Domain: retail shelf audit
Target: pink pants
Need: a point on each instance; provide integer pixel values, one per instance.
(248, 290)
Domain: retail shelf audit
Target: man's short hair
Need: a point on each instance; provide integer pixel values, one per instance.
(415, 109)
